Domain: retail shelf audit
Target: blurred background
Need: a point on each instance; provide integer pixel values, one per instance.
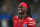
(8, 9)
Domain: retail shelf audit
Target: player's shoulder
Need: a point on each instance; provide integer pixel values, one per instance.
(15, 17)
(31, 19)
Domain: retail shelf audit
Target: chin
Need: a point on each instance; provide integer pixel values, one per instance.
(21, 13)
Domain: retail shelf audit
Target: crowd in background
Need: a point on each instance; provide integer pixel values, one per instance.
(8, 9)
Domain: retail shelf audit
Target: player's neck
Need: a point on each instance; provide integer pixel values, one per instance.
(22, 16)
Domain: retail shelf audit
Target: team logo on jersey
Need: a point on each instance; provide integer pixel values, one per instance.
(24, 25)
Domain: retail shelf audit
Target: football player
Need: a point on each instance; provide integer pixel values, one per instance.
(24, 19)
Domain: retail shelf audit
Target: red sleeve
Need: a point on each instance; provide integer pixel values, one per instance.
(15, 18)
(32, 23)
(14, 21)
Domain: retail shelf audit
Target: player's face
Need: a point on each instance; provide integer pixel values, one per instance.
(21, 10)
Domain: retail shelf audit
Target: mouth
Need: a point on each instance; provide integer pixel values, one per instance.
(19, 10)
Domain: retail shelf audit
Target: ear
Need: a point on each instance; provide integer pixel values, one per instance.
(26, 9)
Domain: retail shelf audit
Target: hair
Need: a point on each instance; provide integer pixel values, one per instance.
(28, 13)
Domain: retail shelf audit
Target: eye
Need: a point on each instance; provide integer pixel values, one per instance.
(19, 8)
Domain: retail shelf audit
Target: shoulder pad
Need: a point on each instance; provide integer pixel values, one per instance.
(15, 17)
(30, 18)
(32, 21)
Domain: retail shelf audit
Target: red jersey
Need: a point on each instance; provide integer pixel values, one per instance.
(27, 22)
